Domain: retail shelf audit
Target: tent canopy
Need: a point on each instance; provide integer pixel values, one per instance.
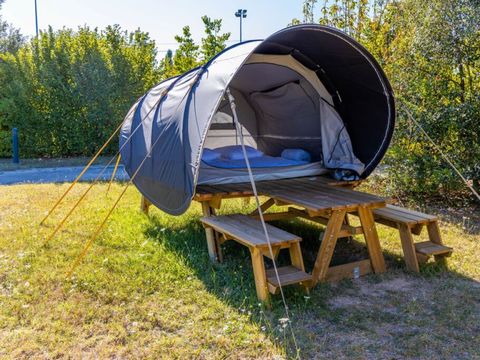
(307, 86)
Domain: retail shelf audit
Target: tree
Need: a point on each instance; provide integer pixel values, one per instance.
(430, 51)
(213, 43)
(166, 66)
(185, 57)
(10, 38)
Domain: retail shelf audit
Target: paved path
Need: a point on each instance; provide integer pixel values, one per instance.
(59, 174)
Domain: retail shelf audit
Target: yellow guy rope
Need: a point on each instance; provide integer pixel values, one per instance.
(114, 172)
(81, 174)
(97, 231)
(100, 227)
(96, 179)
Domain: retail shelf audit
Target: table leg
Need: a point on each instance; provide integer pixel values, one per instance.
(371, 238)
(327, 247)
(210, 234)
(144, 205)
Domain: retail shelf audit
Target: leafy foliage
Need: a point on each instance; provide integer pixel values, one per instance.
(10, 38)
(67, 90)
(213, 43)
(430, 51)
(186, 55)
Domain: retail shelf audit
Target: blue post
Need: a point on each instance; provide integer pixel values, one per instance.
(16, 159)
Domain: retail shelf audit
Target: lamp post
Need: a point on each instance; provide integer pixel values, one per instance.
(241, 13)
(36, 18)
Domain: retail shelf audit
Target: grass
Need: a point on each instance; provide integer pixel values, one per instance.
(8, 165)
(147, 290)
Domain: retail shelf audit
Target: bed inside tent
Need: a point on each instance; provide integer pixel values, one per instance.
(288, 122)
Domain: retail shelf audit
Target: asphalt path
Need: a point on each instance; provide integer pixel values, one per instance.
(60, 174)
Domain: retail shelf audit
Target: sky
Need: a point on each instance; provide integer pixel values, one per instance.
(161, 19)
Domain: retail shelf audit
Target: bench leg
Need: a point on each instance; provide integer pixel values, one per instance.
(260, 275)
(371, 238)
(296, 256)
(434, 233)
(434, 236)
(296, 259)
(408, 247)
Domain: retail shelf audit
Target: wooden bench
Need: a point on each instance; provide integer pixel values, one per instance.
(249, 232)
(410, 222)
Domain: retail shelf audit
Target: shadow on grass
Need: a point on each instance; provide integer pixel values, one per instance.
(232, 282)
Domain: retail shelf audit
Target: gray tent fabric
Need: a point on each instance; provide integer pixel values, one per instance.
(336, 144)
(307, 86)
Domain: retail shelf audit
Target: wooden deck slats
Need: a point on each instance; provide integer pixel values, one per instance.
(316, 196)
(205, 192)
(288, 275)
(320, 193)
(429, 248)
(396, 214)
(249, 231)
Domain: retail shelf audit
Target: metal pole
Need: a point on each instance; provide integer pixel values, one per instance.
(16, 158)
(36, 18)
(241, 27)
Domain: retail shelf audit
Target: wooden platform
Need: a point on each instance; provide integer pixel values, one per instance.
(209, 192)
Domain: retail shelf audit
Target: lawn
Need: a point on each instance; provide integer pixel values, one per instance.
(147, 290)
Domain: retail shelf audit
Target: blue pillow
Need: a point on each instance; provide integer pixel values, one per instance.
(235, 152)
(296, 154)
(209, 154)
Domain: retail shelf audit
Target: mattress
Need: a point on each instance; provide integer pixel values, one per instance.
(214, 175)
(263, 161)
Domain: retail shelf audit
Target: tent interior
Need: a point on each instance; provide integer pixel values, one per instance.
(288, 120)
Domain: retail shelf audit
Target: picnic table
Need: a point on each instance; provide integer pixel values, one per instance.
(317, 199)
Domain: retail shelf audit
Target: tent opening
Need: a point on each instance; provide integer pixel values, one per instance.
(288, 120)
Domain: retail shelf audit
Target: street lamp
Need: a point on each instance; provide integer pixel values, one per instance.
(36, 18)
(241, 13)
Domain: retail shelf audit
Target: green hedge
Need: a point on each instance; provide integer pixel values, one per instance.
(67, 91)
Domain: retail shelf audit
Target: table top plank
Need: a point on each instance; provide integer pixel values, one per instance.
(313, 193)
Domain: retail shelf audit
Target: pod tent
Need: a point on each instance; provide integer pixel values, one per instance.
(309, 99)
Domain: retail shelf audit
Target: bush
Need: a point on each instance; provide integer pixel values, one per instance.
(5, 144)
(67, 91)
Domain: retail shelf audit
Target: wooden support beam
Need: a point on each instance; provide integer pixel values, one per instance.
(346, 231)
(144, 205)
(275, 250)
(264, 207)
(408, 247)
(210, 234)
(434, 233)
(215, 202)
(350, 270)
(276, 216)
(327, 247)
(371, 239)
